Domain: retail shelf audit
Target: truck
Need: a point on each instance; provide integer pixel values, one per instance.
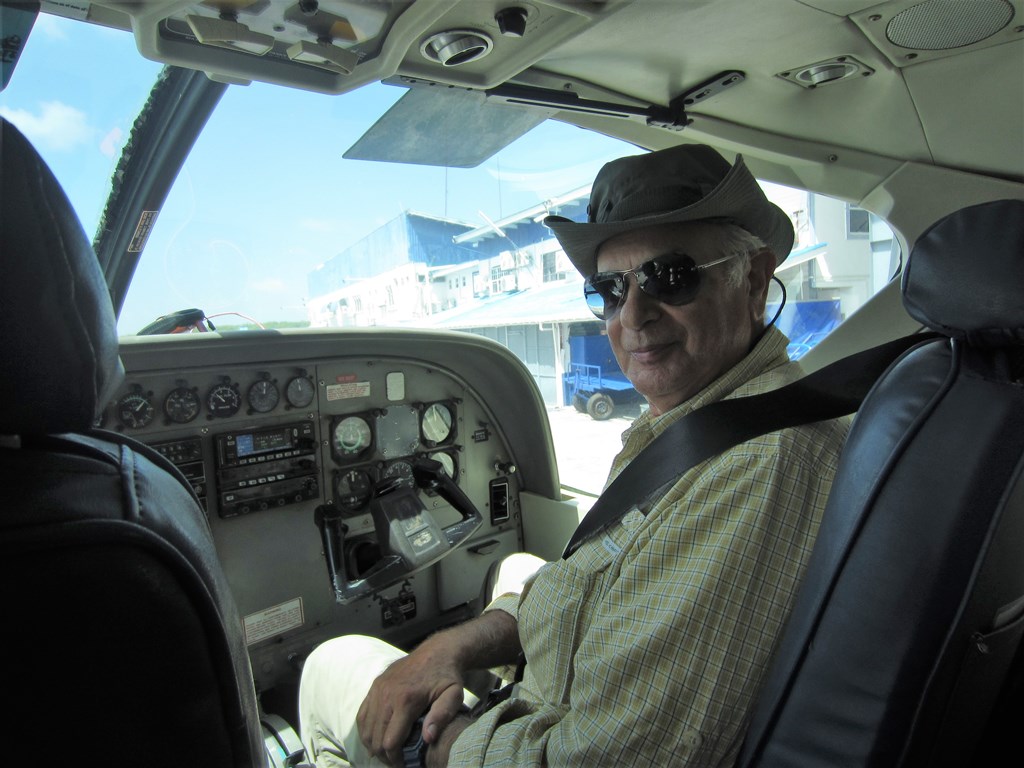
(594, 383)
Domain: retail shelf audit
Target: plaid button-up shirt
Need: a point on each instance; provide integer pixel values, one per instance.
(647, 645)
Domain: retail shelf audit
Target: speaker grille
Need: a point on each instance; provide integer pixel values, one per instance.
(937, 25)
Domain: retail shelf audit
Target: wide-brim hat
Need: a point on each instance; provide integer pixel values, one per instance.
(689, 182)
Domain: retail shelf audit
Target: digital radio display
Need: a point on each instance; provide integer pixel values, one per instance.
(253, 443)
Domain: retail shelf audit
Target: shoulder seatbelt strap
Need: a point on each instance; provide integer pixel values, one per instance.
(835, 390)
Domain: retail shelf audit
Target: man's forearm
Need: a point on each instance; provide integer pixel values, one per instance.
(490, 640)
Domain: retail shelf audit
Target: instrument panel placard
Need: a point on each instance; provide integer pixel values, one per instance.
(273, 621)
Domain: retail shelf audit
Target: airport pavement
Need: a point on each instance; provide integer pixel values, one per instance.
(585, 447)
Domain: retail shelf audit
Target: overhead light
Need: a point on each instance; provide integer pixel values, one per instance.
(225, 33)
(828, 71)
(456, 46)
(324, 55)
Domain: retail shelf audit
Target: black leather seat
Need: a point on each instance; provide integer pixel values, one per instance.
(121, 643)
(903, 648)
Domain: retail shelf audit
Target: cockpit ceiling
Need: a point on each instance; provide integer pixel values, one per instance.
(906, 79)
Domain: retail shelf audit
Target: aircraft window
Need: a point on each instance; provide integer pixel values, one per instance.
(268, 226)
(858, 222)
(78, 118)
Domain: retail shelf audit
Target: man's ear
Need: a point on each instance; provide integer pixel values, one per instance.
(762, 267)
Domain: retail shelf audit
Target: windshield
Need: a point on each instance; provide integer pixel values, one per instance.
(268, 225)
(64, 98)
(261, 205)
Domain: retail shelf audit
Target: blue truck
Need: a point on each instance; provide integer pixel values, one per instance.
(594, 383)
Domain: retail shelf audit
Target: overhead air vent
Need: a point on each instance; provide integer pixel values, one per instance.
(827, 72)
(456, 46)
(937, 25)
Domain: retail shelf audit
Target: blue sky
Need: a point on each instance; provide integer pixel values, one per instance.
(265, 196)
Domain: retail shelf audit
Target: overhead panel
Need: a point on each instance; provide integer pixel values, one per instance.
(333, 46)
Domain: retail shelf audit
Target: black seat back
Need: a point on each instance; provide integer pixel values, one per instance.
(122, 644)
(903, 648)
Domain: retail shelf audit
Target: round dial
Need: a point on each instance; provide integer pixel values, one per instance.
(353, 489)
(352, 436)
(437, 423)
(400, 472)
(299, 392)
(181, 405)
(446, 461)
(263, 396)
(223, 400)
(135, 410)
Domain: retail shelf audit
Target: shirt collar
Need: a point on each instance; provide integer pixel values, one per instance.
(769, 352)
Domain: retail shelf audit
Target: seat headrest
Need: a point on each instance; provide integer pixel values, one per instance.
(59, 339)
(965, 275)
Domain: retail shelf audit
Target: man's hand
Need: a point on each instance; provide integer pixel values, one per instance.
(431, 679)
(441, 741)
(425, 679)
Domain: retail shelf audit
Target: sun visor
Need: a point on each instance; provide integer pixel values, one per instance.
(450, 127)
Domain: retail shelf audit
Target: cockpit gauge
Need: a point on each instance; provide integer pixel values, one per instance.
(181, 405)
(398, 431)
(223, 400)
(263, 396)
(353, 490)
(351, 436)
(135, 409)
(299, 392)
(400, 473)
(447, 462)
(437, 423)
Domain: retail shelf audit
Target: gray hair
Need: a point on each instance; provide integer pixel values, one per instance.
(736, 241)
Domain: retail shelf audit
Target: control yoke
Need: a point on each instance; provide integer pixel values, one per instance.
(409, 537)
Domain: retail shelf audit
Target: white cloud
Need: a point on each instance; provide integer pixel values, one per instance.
(57, 126)
(549, 182)
(111, 143)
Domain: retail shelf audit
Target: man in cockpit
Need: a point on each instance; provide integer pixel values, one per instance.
(648, 643)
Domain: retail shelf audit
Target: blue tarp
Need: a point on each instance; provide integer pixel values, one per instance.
(805, 323)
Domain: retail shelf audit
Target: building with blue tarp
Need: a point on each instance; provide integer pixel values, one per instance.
(510, 281)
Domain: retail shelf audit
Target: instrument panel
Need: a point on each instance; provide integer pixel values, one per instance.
(344, 435)
(289, 457)
(139, 407)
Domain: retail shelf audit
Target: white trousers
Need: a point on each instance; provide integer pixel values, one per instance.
(335, 680)
(338, 674)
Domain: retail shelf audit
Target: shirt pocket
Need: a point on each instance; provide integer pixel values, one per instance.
(558, 608)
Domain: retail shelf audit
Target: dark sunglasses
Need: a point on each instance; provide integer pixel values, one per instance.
(672, 279)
